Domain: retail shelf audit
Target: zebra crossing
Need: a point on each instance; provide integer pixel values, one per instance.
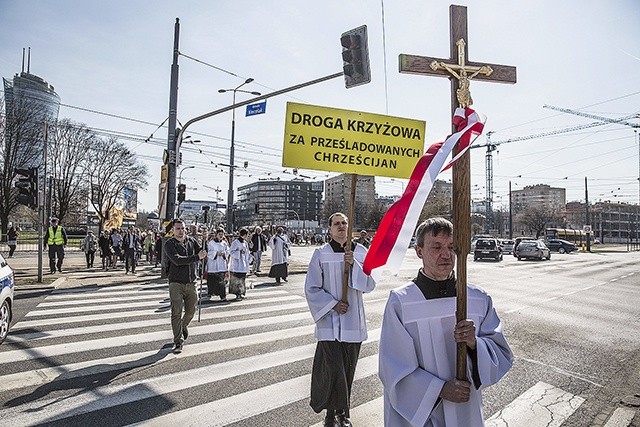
(102, 356)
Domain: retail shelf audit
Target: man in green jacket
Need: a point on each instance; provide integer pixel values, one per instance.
(56, 239)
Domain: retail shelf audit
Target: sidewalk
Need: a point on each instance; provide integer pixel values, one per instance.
(75, 273)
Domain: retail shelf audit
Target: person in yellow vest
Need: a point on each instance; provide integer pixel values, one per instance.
(56, 239)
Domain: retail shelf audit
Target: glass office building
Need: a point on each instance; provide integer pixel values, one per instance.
(29, 102)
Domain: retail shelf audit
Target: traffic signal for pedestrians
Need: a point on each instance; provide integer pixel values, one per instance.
(182, 188)
(355, 56)
(27, 185)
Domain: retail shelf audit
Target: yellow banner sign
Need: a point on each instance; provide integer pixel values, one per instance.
(331, 139)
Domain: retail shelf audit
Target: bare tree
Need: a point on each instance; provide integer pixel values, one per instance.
(437, 204)
(537, 218)
(21, 139)
(374, 216)
(113, 168)
(68, 161)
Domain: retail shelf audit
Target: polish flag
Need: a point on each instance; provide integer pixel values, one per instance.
(389, 246)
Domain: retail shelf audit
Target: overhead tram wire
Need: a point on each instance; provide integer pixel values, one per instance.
(232, 73)
(559, 114)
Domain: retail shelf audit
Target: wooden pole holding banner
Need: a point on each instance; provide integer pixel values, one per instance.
(460, 72)
(352, 204)
(203, 265)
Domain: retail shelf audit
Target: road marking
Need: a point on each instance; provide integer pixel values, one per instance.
(248, 404)
(621, 417)
(368, 414)
(112, 395)
(543, 405)
(126, 340)
(562, 371)
(206, 315)
(27, 324)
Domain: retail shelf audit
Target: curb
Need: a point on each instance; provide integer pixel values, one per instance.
(58, 282)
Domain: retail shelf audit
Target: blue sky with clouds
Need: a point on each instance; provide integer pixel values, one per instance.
(114, 57)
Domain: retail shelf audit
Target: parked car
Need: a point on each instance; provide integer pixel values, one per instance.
(475, 238)
(561, 246)
(487, 248)
(535, 249)
(6, 298)
(517, 241)
(507, 246)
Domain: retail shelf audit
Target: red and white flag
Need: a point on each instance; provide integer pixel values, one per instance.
(394, 233)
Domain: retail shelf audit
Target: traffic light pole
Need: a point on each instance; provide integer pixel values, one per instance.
(233, 106)
(42, 179)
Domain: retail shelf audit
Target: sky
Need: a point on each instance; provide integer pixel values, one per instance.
(110, 63)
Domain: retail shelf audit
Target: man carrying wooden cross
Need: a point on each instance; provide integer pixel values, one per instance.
(424, 348)
(419, 336)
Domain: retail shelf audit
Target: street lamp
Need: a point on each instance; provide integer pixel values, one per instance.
(183, 169)
(233, 148)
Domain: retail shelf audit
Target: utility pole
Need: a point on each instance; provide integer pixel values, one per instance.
(586, 200)
(510, 214)
(171, 159)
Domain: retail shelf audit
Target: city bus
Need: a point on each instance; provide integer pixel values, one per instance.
(570, 235)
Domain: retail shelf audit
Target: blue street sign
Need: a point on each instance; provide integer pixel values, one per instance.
(221, 206)
(259, 108)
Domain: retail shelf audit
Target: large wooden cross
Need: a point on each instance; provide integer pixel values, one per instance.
(460, 72)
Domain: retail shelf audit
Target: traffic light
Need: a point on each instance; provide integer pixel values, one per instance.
(27, 185)
(182, 188)
(355, 55)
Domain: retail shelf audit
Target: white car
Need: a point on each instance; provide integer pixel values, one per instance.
(6, 298)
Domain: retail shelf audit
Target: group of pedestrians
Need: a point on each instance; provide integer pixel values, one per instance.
(419, 334)
(124, 245)
(419, 337)
(224, 261)
(230, 262)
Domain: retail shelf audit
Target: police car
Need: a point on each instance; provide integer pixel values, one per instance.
(6, 298)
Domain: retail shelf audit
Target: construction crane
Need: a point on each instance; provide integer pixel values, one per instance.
(492, 146)
(620, 121)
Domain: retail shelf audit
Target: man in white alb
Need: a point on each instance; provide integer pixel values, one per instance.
(418, 342)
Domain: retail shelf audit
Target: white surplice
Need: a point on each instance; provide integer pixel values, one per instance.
(323, 289)
(217, 256)
(418, 355)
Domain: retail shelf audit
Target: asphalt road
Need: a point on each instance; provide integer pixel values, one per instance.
(96, 350)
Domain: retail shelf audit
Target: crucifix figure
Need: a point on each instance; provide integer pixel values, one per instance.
(460, 73)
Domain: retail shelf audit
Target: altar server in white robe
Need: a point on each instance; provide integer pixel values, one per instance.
(417, 363)
(340, 327)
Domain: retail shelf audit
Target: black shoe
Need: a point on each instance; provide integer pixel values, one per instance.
(343, 421)
(185, 333)
(177, 349)
(285, 280)
(331, 422)
(60, 269)
(52, 272)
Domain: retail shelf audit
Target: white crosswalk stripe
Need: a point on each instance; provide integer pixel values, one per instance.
(84, 356)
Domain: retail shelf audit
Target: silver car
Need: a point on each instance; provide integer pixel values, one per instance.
(533, 249)
(6, 298)
(507, 246)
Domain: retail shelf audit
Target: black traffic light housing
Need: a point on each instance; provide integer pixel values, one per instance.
(355, 56)
(27, 185)
(182, 188)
